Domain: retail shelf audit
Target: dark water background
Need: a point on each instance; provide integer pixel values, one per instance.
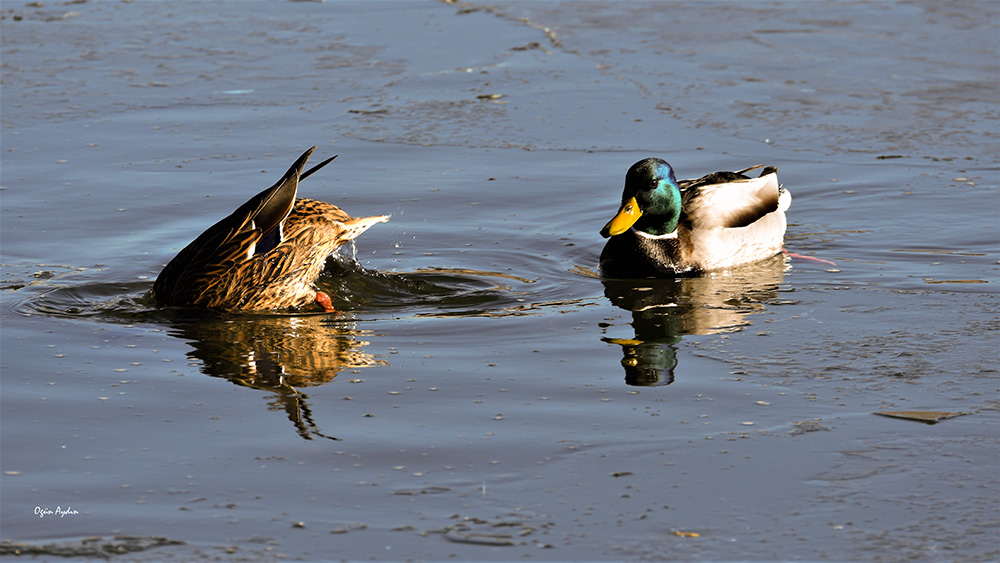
(491, 398)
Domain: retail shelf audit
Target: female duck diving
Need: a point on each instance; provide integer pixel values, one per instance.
(266, 255)
(669, 228)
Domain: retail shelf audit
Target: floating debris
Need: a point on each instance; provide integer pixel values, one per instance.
(531, 45)
(954, 281)
(349, 528)
(480, 538)
(803, 426)
(433, 489)
(87, 547)
(479, 531)
(928, 417)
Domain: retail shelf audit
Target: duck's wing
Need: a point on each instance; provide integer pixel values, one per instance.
(255, 227)
(729, 199)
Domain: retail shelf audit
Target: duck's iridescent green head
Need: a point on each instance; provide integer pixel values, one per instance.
(651, 201)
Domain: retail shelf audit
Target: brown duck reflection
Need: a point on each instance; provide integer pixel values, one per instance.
(664, 310)
(281, 355)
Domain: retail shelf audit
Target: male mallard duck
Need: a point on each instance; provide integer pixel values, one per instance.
(266, 255)
(667, 228)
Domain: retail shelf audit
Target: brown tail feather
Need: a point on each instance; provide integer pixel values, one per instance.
(356, 226)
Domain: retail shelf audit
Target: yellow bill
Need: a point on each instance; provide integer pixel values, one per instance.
(623, 221)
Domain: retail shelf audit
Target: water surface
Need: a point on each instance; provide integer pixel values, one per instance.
(482, 394)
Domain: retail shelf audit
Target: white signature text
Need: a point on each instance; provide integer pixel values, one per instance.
(43, 511)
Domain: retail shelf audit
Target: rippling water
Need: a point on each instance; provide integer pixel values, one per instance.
(481, 392)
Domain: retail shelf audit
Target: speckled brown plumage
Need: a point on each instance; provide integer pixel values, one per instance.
(265, 255)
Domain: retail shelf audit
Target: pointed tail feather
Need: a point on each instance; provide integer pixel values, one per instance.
(784, 199)
(309, 172)
(355, 227)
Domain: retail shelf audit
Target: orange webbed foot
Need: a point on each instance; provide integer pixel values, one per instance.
(804, 257)
(323, 300)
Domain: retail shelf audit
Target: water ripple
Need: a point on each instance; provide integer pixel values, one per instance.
(57, 292)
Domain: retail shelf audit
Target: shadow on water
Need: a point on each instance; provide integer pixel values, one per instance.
(664, 310)
(276, 352)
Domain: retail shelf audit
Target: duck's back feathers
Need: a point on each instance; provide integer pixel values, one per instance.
(729, 200)
(284, 277)
(313, 219)
(264, 255)
(230, 242)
